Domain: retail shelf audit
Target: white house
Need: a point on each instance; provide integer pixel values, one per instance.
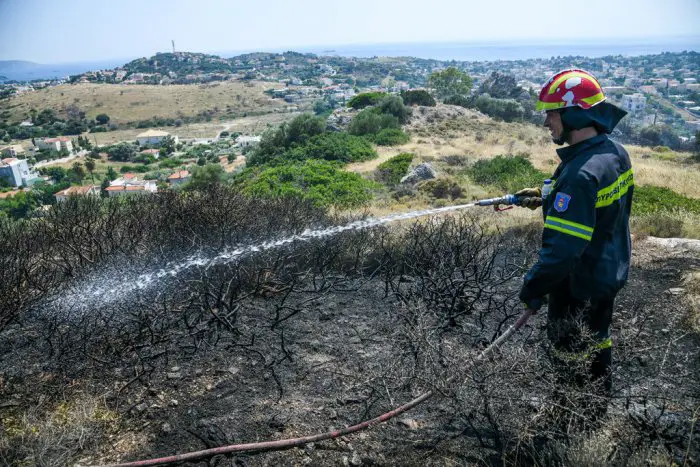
(87, 190)
(634, 102)
(55, 144)
(130, 185)
(17, 172)
(154, 137)
(245, 141)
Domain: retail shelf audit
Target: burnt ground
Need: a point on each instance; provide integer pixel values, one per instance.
(346, 357)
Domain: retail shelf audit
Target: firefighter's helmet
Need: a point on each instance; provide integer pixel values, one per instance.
(570, 88)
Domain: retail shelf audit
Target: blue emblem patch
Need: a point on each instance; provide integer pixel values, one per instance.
(561, 202)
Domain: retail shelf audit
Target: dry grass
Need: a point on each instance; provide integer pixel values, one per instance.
(52, 436)
(691, 283)
(479, 138)
(253, 125)
(128, 103)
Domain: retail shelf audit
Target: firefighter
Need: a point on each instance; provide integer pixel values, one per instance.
(585, 255)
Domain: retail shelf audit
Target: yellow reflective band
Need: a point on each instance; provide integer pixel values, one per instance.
(570, 228)
(574, 74)
(594, 99)
(549, 105)
(567, 231)
(570, 223)
(615, 190)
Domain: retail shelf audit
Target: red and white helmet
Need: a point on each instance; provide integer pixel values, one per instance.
(570, 88)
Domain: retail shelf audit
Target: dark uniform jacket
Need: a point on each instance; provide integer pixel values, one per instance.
(586, 237)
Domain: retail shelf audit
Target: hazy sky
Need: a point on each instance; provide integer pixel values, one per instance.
(53, 31)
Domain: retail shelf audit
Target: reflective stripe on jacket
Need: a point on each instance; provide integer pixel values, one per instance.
(586, 235)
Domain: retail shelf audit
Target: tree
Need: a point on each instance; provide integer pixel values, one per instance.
(102, 119)
(111, 174)
(19, 205)
(365, 99)
(450, 82)
(78, 170)
(57, 174)
(304, 127)
(167, 145)
(205, 177)
(500, 86)
(90, 166)
(418, 97)
(121, 152)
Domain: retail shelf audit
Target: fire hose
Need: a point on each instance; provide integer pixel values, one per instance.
(296, 442)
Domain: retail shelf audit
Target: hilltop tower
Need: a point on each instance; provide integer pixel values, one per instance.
(173, 42)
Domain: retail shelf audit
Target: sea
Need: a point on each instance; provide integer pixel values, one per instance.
(494, 51)
(445, 51)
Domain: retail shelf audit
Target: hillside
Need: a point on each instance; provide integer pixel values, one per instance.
(134, 103)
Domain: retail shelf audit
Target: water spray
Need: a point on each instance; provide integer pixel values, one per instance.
(109, 290)
(115, 291)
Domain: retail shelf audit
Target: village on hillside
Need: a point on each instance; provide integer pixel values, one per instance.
(55, 152)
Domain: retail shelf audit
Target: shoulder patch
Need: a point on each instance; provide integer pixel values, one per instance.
(561, 202)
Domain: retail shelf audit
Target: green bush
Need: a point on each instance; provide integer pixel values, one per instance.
(418, 97)
(134, 168)
(458, 100)
(322, 182)
(655, 199)
(507, 110)
(390, 137)
(507, 173)
(393, 105)
(442, 188)
(392, 171)
(275, 142)
(365, 99)
(169, 163)
(371, 121)
(340, 147)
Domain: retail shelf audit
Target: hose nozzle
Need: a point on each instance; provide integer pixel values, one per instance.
(507, 200)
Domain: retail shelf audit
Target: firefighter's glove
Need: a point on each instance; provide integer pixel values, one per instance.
(530, 198)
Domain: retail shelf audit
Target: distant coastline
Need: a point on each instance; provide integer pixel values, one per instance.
(447, 51)
(494, 51)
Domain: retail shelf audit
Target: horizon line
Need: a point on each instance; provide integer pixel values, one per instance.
(517, 43)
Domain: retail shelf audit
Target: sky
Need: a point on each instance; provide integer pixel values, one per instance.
(65, 31)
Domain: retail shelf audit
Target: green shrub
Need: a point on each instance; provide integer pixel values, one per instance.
(169, 163)
(393, 105)
(507, 110)
(461, 101)
(507, 173)
(370, 122)
(134, 168)
(390, 137)
(392, 171)
(324, 183)
(442, 188)
(340, 147)
(365, 99)
(275, 142)
(655, 199)
(455, 160)
(418, 97)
